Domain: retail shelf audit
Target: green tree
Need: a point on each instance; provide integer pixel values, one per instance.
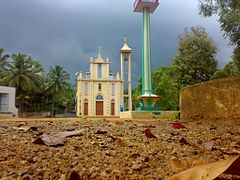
(137, 92)
(3, 61)
(228, 12)
(165, 87)
(195, 61)
(24, 73)
(230, 69)
(56, 83)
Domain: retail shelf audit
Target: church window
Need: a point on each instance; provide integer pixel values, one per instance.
(99, 71)
(113, 89)
(99, 86)
(99, 98)
(86, 88)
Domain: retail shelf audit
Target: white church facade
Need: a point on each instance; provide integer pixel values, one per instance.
(101, 92)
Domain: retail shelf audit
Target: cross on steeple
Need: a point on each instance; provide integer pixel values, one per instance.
(125, 38)
(99, 52)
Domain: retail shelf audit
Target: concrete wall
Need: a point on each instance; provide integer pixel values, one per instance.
(11, 109)
(213, 99)
(149, 115)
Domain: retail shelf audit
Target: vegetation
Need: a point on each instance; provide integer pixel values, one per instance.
(56, 84)
(36, 91)
(194, 63)
(228, 12)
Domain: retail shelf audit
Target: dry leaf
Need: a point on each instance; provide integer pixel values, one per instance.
(180, 165)
(120, 142)
(101, 132)
(69, 133)
(149, 134)
(184, 141)
(74, 176)
(207, 146)
(50, 140)
(177, 125)
(210, 170)
(56, 139)
(22, 128)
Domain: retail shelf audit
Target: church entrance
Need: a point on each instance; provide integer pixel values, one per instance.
(99, 105)
(85, 107)
(112, 107)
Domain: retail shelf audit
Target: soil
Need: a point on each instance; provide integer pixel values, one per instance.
(113, 149)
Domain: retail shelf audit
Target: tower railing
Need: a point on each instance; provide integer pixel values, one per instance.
(144, 1)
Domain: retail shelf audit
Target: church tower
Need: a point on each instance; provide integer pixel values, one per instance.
(125, 58)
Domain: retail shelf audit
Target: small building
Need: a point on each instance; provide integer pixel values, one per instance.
(101, 92)
(7, 102)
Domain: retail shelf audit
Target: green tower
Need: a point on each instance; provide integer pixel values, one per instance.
(147, 99)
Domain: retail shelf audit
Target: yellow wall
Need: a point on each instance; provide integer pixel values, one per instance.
(212, 99)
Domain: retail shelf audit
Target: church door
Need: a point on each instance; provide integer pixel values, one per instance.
(85, 107)
(112, 107)
(99, 105)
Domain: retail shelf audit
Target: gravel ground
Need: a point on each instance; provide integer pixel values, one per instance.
(112, 149)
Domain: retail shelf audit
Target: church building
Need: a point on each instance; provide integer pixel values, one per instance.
(101, 92)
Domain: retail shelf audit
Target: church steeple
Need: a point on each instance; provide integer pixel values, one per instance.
(125, 48)
(125, 57)
(99, 52)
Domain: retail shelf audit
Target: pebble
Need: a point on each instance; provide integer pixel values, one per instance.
(30, 159)
(137, 166)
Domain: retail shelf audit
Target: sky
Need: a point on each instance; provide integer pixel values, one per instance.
(69, 32)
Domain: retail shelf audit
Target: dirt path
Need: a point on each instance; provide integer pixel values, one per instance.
(110, 149)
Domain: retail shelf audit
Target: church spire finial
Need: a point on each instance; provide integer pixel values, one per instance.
(99, 52)
(125, 38)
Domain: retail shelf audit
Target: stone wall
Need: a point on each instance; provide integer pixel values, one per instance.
(213, 99)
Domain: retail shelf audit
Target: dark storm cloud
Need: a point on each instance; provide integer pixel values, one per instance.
(68, 32)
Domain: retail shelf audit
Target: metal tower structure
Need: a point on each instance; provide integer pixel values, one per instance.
(147, 98)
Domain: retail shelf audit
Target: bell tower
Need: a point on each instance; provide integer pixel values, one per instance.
(125, 58)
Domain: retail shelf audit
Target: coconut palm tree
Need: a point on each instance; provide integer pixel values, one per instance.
(3, 62)
(24, 73)
(56, 83)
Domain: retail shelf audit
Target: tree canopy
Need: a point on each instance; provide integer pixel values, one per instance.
(195, 61)
(228, 12)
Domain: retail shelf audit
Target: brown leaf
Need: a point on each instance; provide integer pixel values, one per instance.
(101, 132)
(50, 140)
(184, 141)
(22, 128)
(74, 176)
(149, 134)
(180, 165)
(120, 142)
(210, 170)
(207, 146)
(56, 139)
(177, 125)
(70, 133)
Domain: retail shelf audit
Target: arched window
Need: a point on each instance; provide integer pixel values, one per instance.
(112, 101)
(113, 89)
(99, 98)
(85, 100)
(99, 71)
(86, 88)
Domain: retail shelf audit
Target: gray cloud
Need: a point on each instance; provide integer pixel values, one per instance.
(68, 32)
